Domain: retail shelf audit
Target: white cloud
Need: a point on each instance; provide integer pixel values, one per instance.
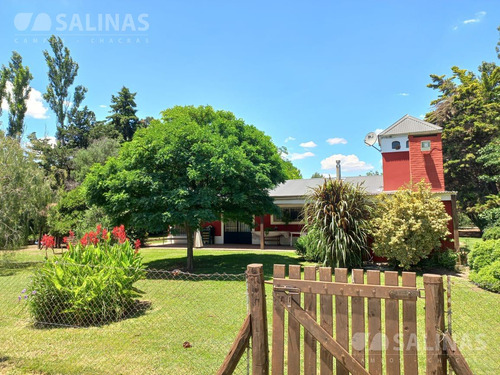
(105, 106)
(422, 116)
(403, 94)
(35, 104)
(336, 141)
(478, 18)
(349, 163)
(288, 139)
(297, 156)
(50, 140)
(378, 131)
(309, 144)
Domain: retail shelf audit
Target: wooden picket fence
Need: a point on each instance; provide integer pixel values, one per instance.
(297, 299)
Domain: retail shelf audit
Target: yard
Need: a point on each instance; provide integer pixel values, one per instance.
(203, 311)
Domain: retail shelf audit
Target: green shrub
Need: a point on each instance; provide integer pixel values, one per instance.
(307, 249)
(484, 253)
(439, 259)
(488, 277)
(484, 261)
(492, 233)
(410, 224)
(90, 284)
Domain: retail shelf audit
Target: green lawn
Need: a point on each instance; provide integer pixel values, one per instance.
(468, 242)
(204, 311)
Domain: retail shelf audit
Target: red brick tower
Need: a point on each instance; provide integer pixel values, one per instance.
(412, 151)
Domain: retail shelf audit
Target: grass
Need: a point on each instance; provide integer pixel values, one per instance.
(468, 242)
(206, 313)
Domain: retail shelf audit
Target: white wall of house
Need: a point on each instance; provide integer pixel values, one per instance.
(386, 143)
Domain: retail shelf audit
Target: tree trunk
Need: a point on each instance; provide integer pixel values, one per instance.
(190, 242)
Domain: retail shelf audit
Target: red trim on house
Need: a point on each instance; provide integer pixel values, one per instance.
(280, 227)
(217, 226)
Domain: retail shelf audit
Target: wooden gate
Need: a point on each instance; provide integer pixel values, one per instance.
(355, 338)
(359, 344)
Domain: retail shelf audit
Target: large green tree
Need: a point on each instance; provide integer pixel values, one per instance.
(20, 77)
(54, 160)
(123, 113)
(24, 194)
(80, 124)
(99, 151)
(468, 110)
(62, 73)
(291, 171)
(190, 167)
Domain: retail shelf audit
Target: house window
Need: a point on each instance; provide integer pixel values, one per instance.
(425, 146)
(396, 145)
(288, 215)
(407, 144)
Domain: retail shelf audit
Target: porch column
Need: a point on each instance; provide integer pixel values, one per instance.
(262, 242)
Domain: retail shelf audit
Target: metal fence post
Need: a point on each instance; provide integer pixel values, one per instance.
(258, 312)
(434, 325)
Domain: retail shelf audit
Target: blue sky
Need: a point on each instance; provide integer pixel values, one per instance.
(303, 72)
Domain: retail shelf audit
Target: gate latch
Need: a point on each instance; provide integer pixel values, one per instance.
(289, 291)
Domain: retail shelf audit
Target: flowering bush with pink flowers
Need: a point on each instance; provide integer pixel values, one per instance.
(92, 283)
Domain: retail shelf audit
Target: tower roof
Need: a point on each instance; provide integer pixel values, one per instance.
(411, 125)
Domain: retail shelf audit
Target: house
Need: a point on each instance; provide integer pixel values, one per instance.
(411, 150)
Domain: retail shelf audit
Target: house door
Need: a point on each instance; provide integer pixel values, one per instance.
(236, 232)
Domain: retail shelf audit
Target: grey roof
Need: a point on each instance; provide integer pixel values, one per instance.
(299, 188)
(411, 125)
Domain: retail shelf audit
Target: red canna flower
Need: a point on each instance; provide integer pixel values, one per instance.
(84, 240)
(119, 233)
(104, 234)
(137, 245)
(48, 241)
(99, 227)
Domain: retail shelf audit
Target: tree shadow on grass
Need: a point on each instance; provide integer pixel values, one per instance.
(13, 268)
(228, 263)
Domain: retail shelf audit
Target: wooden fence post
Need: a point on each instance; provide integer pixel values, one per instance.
(257, 301)
(434, 325)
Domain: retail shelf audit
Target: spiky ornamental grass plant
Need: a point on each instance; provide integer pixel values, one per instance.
(337, 221)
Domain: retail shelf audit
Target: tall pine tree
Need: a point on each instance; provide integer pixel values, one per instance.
(468, 110)
(123, 113)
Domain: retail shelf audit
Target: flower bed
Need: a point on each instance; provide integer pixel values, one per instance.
(91, 283)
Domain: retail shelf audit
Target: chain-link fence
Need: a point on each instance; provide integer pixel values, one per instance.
(180, 324)
(473, 317)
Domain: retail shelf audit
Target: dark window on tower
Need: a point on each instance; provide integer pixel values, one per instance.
(407, 144)
(396, 145)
